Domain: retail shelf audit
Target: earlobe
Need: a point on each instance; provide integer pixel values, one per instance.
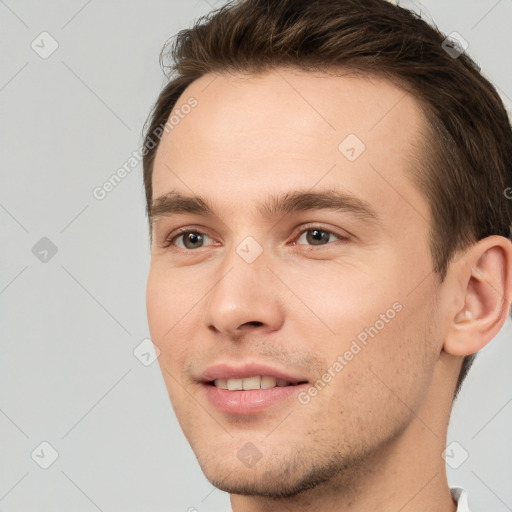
(485, 275)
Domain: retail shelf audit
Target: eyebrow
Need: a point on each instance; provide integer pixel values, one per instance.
(174, 203)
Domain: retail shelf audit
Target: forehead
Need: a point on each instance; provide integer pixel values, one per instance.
(288, 128)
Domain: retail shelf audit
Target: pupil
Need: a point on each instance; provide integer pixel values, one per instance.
(193, 238)
(317, 235)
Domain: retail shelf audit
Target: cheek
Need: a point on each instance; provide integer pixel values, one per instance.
(382, 384)
(346, 298)
(397, 364)
(379, 326)
(155, 300)
(169, 300)
(165, 313)
(167, 309)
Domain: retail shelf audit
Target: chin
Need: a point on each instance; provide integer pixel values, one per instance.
(277, 478)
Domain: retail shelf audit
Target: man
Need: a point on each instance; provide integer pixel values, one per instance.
(326, 189)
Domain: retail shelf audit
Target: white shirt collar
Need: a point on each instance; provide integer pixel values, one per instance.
(459, 495)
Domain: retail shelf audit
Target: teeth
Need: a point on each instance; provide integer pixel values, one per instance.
(221, 383)
(248, 383)
(235, 384)
(251, 383)
(268, 382)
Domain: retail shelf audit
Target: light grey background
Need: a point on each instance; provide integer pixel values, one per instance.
(69, 326)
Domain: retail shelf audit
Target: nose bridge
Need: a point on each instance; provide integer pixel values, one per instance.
(244, 291)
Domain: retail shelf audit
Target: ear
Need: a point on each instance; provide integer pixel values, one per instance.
(484, 281)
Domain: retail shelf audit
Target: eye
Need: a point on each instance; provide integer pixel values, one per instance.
(189, 240)
(317, 236)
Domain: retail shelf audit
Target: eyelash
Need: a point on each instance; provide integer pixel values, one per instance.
(169, 241)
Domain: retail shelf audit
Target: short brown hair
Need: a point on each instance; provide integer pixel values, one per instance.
(466, 165)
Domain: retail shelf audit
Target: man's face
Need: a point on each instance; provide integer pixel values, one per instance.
(294, 291)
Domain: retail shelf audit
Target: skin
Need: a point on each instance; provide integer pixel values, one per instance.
(372, 438)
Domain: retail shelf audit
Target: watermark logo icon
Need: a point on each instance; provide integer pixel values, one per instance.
(455, 455)
(455, 45)
(249, 455)
(249, 249)
(44, 455)
(146, 352)
(351, 147)
(44, 250)
(44, 45)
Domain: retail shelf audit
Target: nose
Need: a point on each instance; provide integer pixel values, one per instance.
(245, 298)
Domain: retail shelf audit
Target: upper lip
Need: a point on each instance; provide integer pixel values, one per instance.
(241, 371)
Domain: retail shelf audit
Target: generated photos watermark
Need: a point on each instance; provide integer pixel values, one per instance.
(356, 346)
(101, 191)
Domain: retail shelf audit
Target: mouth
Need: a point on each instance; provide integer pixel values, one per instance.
(251, 383)
(250, 388)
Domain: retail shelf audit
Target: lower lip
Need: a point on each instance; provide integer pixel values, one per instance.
(250, 401)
